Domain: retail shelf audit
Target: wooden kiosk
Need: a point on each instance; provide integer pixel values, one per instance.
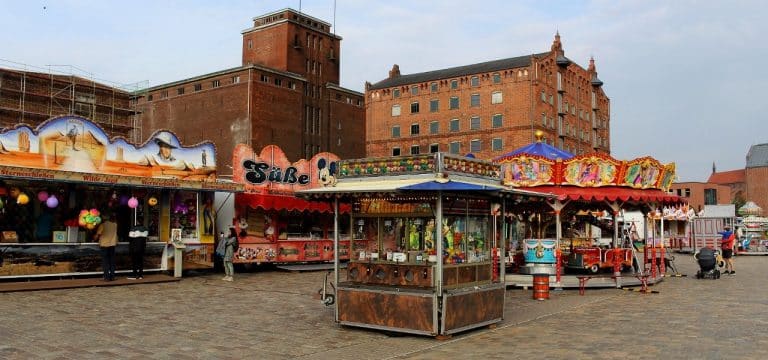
(433, 263)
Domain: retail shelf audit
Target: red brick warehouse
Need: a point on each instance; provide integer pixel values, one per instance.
(489, 108)
(286, 93)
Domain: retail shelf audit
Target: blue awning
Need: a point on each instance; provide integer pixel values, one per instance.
(449, 186)
(540, 149)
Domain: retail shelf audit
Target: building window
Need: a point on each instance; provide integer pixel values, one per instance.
(433, 87)
(497, 144)
(434, 105)
(264, 78)
(543, 96)
(414, 129)
(149, 97)
(250, 44)
(454, 84)
(292, 85)
(496, 97)
(395, 93)
(395, 151)
(474, 145)
(497, 121)
(396, 131)
(164, 94)
(454, 147)
(236, 79)
(415, 149)
(433, 148)
(454, 103)
(474, 123)
(474, 81)
(710, 196)
(496, 78)
(279, 82)
(198, 87)
(396, 110)
(215, 83)
(415, 107)
(434, 127)
(454, 127)
(180, 91)
(474, 100)
(414, 90)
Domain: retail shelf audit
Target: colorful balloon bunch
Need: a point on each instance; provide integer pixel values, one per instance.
(89, 219)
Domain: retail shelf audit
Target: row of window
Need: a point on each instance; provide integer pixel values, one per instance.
(475, 145)
(197, 87)
(453, 84)
(454, 125)
(453, 103)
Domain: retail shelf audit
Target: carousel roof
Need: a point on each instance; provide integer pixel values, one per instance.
(538, 148)
(750, 208)
(607, 193)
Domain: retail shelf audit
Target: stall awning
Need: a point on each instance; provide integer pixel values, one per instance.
(288, 203)
(449, 186)
(15, 172)
(607, 194)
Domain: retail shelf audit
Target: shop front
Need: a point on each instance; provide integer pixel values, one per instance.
(58, 180)
(274, 225)
(432, 265)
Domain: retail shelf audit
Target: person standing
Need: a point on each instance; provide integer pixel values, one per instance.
(136, 247)
(726, 245)
(106, 235)
(229, 254)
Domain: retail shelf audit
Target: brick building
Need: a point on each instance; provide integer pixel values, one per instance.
(756, 175)
(489, 108)
(28, 97)
(286, 93)
(699, 194)
(735, 181)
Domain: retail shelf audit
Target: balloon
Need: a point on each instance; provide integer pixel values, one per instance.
(81, 222)
(90, 226)
(1, 204)
(83, 213)
(42, 196)
(133, 202)
(123, 200)
(95, 212)
(22, 199)
(52, 202)
(152, 201)
(97, 220)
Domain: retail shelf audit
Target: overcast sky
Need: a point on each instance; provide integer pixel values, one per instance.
(682, 75)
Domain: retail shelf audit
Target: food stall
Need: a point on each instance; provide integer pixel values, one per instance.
(274, 225)
(59, 179)
(584, 186)
(433, 263)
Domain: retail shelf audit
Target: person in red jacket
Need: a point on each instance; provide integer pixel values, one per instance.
(726, 245)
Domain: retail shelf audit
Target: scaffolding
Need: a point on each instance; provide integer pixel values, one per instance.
(31, 95)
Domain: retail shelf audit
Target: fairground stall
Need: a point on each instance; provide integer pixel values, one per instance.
(591, 193)
(277, 227)
(58, 180)
(751, 230)
(432, 265)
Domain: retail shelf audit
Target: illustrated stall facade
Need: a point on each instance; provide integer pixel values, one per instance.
(59, 179)
(432, 265)
(274, 225)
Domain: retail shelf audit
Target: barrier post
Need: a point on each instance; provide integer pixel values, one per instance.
(617, 267)
(558, 267)
(653, 262)
(663, 266)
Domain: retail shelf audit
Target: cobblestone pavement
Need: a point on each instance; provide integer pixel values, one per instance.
(275, 315)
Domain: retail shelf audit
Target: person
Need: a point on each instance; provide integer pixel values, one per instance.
(106, 235)
(726, 245)
(136, 247)
(229, 254)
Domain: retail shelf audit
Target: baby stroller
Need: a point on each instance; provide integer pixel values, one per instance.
(708, 261)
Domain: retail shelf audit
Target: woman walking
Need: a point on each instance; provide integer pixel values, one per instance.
(229, 253)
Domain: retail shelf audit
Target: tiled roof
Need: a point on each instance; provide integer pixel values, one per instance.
(484, 67)
(757, 156)
(727, 177)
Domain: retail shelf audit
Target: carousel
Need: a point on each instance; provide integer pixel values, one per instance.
(752, 230)
(585, 232)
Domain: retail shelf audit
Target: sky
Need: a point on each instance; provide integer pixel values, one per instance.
(682, 76)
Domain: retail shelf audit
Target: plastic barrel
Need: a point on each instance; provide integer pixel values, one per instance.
(540, 286)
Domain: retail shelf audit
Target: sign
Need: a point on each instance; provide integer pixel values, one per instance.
(270, 171)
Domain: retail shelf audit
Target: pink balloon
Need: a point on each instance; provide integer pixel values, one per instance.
(133, 202)
(42, 196)
(52, 202)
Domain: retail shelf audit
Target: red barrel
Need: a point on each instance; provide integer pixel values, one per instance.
(540, 286)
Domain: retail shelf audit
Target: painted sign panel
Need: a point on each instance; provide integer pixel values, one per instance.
(270, 171)
(527, 171)
(74, 144)
(591, 171)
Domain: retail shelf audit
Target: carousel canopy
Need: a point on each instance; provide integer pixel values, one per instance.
(750, 208)
(608, 194)
(538, 148)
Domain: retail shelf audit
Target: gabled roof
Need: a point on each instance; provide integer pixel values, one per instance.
(727, 177)
(484, 67)
(757, 156)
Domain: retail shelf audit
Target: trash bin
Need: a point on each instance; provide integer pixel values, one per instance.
(540, 286)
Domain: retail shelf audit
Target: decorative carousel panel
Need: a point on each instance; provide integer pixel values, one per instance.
(591, 171)
(400, 165)
(527, 171)
(642, 173)
(667, 177)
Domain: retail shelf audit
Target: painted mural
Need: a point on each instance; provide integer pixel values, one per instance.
(527, 171)
(75, 144)
(642, 173)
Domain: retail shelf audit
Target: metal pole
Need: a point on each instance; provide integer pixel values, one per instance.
(336, 252)
(439, 239)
